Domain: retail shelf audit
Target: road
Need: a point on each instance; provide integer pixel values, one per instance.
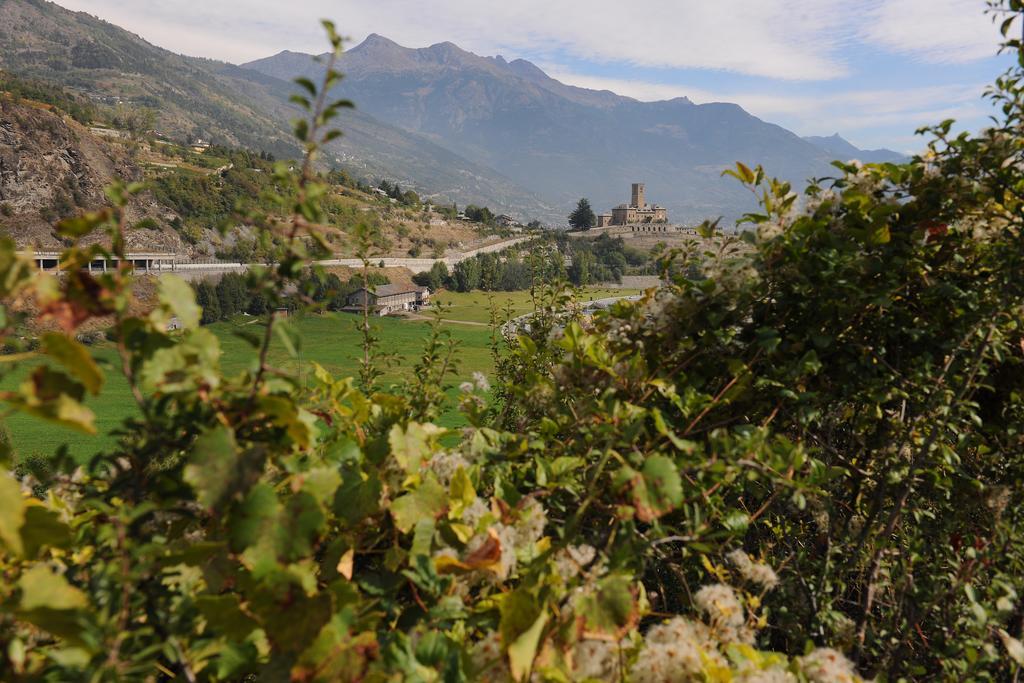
(422, 265)
(416, 265)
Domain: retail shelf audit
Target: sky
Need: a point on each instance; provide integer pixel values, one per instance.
(872, 70)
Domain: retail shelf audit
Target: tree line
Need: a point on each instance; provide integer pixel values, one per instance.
(232, 294)
(553, 258)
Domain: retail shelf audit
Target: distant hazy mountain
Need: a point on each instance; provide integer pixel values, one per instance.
(841, 149)
(45, 41)
(213, 100)
(441, 120)
(559, 141)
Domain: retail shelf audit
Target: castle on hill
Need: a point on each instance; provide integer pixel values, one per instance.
(637, 211)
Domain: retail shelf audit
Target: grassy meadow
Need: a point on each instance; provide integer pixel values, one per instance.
(476, 306)
(330, 339)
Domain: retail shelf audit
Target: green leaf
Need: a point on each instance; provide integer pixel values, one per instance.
(190, 363)
(342, 452)
(179, 298)
(43, 529)
(520, 609)
(461, 493)
(76, 358)
(12, 512)
(212, 465)
(42, 588)
(301, 101)
(224, 614)
(277, 607)
(880, 235)
(358, 497)
(656, 490)
(298, 422)
(322, 483)
(610, 608)
(52, 395)
(523, 650)
(335, 654)
(423, 538)
(299, 524)
(253, 518)
(744, 172)
(307, 84)
(289, 336)
(412, 445)
(427, 501)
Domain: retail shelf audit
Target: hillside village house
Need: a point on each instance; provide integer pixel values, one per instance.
(507, 221)
(387, 299)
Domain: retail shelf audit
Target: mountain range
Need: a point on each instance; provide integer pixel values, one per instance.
(453, 125)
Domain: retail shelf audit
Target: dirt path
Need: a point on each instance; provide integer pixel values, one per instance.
(428, 318)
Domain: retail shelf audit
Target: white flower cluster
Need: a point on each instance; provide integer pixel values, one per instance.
(529, 527)
(770, 230)
(870, 182)
(719, 602)
(488, 662)
(445, 464)
(677, 651)
(597, 660)
(732, 273)
(754, 572)
(479, 383)
(775, 675)
(814, 203)
(570, 561)
(825, 665)
(621, 332)
(661, 308)
(475, 512)
(513, 539)
(725, 613)
(506, 536)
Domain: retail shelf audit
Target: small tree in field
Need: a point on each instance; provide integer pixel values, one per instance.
(582, 218)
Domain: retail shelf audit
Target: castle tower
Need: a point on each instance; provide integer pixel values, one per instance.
(638, 195)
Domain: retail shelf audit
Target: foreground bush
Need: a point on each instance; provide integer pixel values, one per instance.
(804, 447)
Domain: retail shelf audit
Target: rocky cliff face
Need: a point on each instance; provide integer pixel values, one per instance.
(52, 168)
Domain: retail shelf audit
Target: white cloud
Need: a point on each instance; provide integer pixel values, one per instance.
(937, 31)
(793, 39)
(785, 39)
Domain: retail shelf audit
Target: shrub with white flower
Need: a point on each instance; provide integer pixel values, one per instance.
(757, 573)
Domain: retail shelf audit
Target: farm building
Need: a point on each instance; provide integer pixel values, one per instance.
(386, 299)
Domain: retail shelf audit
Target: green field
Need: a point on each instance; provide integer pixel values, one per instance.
(329, 339)
(476, 306)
